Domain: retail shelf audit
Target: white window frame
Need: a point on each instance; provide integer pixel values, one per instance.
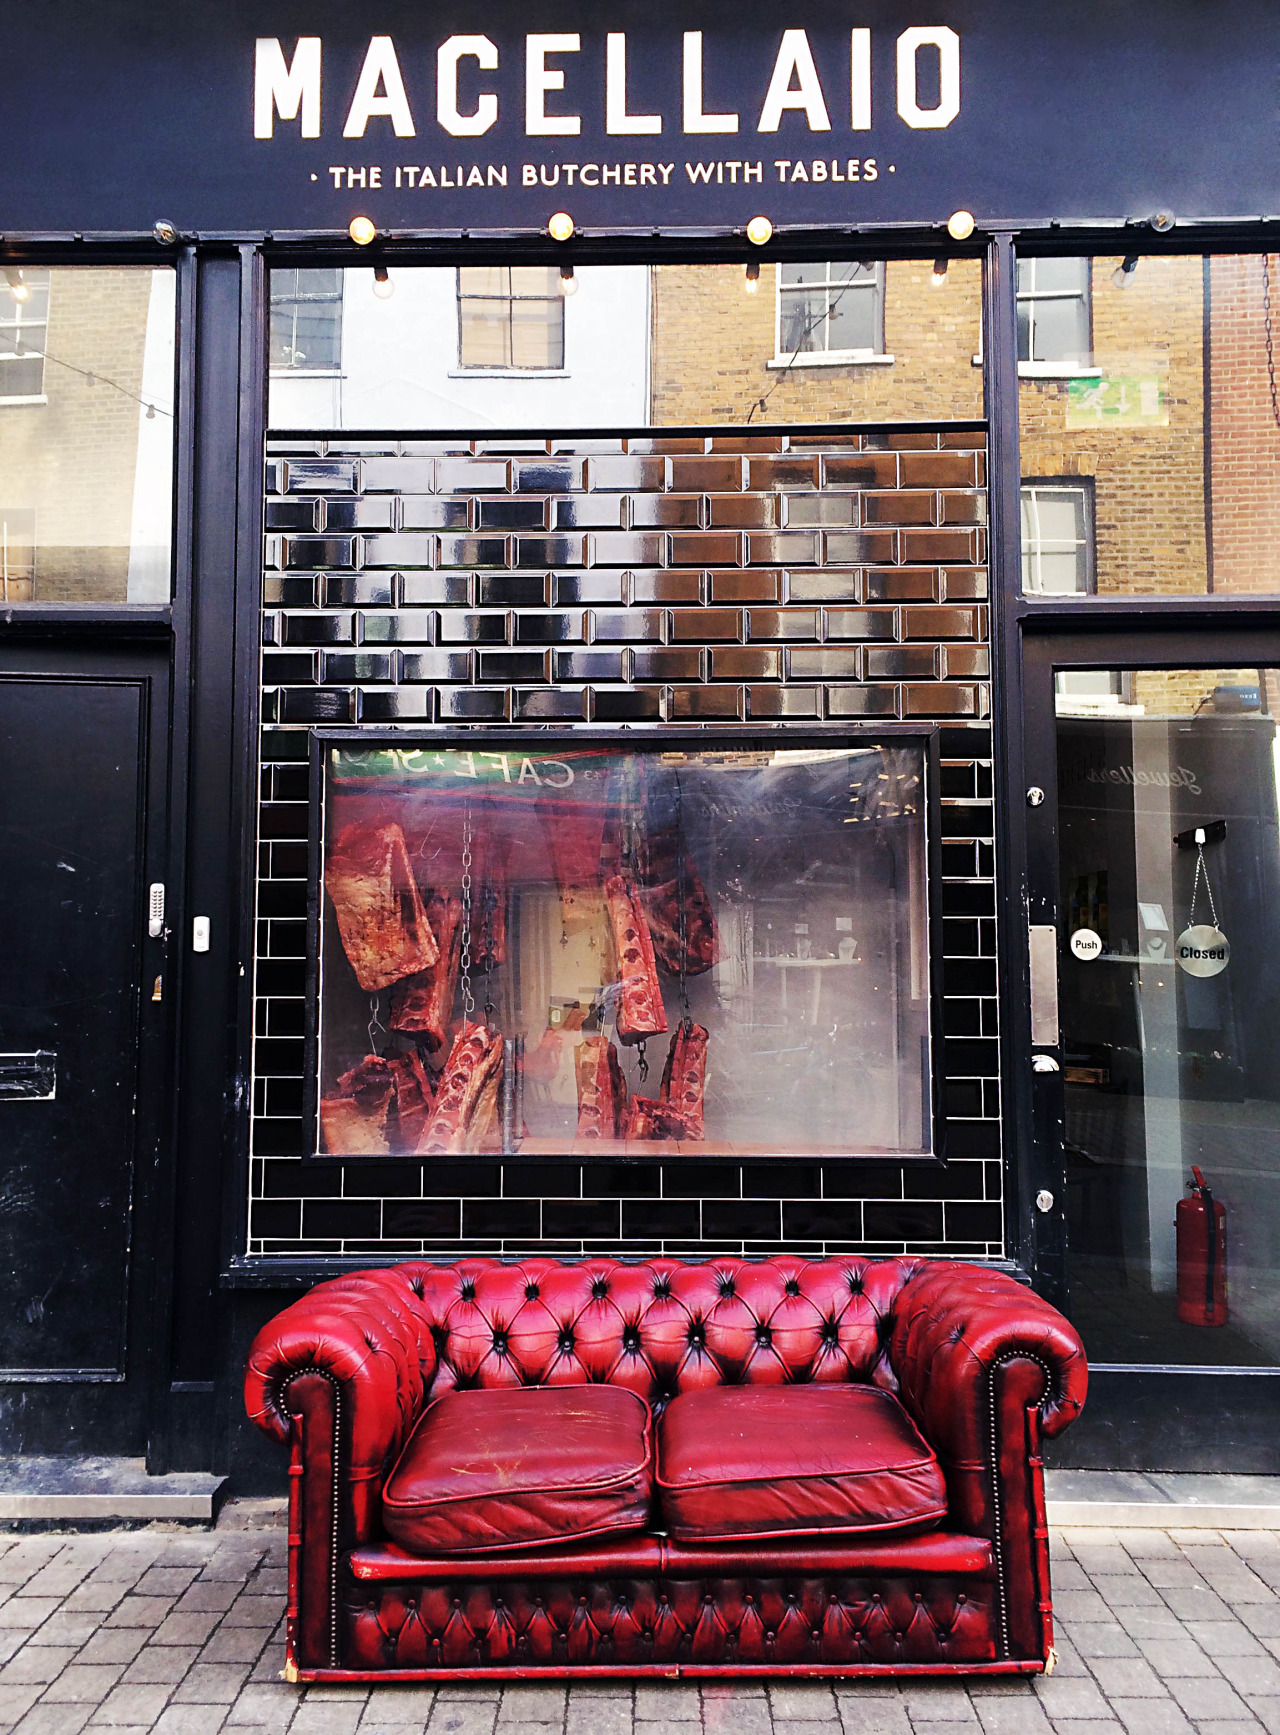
(292, 370)
(874, 356)
(506, 370)
(1058, 367)
(1029, 493)
(16, 316)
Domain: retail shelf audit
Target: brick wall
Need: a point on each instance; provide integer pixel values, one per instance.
(72, 459)
(1245, 447)
(1148, 481)
(712, 343)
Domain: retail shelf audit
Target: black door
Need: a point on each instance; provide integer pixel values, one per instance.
(1154, 896)
(82, 1017)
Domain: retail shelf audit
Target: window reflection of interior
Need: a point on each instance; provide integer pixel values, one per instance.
(719, 952)
(1057, 539)
(1053, 312)
(830, 308)
(1169, 849)
(306, 319)
(24, 317)
(510, 316)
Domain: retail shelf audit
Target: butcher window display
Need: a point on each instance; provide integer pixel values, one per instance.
(627, 951)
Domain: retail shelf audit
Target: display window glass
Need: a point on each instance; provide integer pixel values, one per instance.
(86, 434)
(1169, 883)
(1149, 424)
(712, 950)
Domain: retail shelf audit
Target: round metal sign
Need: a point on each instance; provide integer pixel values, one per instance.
(1086, 944)
(1202, 950)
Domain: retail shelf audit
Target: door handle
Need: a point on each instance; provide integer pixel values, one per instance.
(1044, 1063)
(1042, 945)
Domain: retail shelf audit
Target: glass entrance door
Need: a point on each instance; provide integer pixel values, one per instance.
(1168, 897)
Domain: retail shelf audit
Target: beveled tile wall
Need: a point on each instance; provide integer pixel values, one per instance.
(688, 578)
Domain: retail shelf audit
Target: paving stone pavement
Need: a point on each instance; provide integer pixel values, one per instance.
(1160, 1632)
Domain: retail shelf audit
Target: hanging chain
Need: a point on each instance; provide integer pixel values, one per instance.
(1201, 869)
(488, 907)
(375, 1022)
(468, 998)
(682, 902)
(1271, 348)
(642, 1061)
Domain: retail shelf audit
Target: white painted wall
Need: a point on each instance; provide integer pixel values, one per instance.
(400, 361)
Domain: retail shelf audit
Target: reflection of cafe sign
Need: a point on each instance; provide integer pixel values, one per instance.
(531, 771)
(1176, 777)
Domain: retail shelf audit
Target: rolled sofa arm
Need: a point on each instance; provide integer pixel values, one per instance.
(339, 1377)
(986, 1368)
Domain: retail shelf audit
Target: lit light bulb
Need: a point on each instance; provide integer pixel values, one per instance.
(560, 228)
(939, 277)
(751, 277)
(960, 225)
(362, 230)
(19, 289)
(759, 230)
(383, 287)
(568, 282)
(1122, 276)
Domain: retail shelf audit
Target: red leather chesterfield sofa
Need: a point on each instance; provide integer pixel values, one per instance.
(787, 1467)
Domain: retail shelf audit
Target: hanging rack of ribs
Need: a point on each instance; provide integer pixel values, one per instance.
(415, 1097)
(678, 1112)
(659, 890)
(354, 1121)
(602, 1090)
(381, 919)
(466, 1108)
(640, 1009)
(422, 1005)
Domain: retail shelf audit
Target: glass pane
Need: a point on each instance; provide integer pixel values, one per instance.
(635, 346)
(803, 322)
(485, 333)
(654, 948)
(852, 324)
(1176, 423)
(86, 434)
(1170, 1011)
(537, 333)
(1060, 330)
(1069, 275)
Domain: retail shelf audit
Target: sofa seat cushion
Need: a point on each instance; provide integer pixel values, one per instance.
(521, 1468)
(794, 1460)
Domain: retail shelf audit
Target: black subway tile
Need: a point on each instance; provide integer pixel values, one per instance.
(493, 1218)
(971, 1222)
(917, 1220)
(741, 1219)
(422, 1219)
(588, 1219)
(660, 1219)
(822, 1220)
(341, 1219)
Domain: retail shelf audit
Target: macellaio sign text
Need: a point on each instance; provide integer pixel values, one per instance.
(553, 86)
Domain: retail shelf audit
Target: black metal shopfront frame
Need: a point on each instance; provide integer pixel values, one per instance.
(212, 629)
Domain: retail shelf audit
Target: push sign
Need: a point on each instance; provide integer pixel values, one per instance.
(1086, 945)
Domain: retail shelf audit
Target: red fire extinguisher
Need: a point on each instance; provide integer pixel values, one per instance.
(1202, 1256)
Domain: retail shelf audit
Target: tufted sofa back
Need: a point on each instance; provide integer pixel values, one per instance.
(659, 1328)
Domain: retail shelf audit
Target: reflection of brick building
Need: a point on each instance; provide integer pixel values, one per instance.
(1244, 454)
(68, 453)
(712, 345)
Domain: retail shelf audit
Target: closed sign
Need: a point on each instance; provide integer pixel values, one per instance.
(1202, 950)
